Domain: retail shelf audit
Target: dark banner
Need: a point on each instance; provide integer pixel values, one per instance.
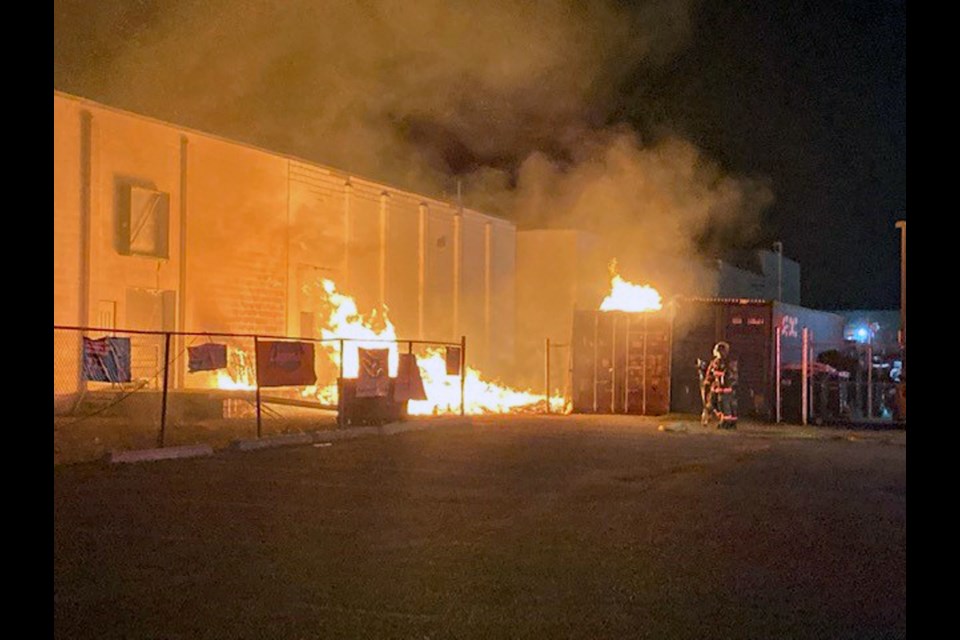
(409, 384)
(453, 361)
(207, 357)
(285, 364)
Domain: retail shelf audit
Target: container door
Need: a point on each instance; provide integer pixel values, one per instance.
(747, 329)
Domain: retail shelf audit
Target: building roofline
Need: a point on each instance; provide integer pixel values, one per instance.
(286, 156)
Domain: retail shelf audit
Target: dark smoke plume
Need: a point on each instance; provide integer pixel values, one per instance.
(513, 99)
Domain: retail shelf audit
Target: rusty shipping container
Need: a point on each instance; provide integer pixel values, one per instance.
(621, 362)
(750, 327)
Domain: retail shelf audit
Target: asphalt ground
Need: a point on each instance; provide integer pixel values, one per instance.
(519, 527)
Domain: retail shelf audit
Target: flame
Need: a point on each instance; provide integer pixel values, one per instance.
(347, 323)
(481, 396)
(626, 296)
(442, 390)
(240, 373)
(376, 331)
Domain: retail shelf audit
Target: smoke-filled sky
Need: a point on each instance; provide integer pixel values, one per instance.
(674, 128)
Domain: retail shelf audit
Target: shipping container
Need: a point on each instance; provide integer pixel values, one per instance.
(749, 325)
(621, 362)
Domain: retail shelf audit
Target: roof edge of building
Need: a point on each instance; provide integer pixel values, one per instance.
(347, 175)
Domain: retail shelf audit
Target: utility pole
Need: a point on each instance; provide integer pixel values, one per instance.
(902, 225)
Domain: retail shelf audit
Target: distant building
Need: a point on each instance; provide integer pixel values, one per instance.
(759, 275)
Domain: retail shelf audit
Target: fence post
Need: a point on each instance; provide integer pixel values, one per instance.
(870, 380)
(340, 385)
(463, 375)
(596, 359)
(812, 388)
(643, 371)
(778, 362)
(546, 373)
(256, 368)
(166, 377)
(804, 365)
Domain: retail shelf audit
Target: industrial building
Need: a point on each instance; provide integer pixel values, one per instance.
(162, 228)
(157, 227)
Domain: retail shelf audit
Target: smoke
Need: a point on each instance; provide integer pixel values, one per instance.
(514, 99)
(655, 207)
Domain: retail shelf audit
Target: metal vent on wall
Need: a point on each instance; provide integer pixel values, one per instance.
(143, 221)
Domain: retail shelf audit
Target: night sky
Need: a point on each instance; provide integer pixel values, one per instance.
(809, 95)
(813, 96)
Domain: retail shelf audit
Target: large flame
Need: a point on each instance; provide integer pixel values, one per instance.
(442, 390)
(347, 323)
(627, 296)
(481, 396)
(347, 329)
(240, 373)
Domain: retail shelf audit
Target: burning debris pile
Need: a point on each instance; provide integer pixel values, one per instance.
(375, 331)
(627, 296)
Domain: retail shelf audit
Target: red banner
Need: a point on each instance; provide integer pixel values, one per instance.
(409, 385)
(285, 364)
(453, 361)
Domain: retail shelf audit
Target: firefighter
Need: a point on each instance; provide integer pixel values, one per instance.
(719, 386)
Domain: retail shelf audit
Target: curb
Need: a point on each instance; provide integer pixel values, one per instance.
(348, 433)
(328, 436)
(166, 453)
(282, 440)
(272, 441)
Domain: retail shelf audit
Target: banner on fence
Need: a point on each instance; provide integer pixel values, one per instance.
(453, 361)
(285, 364)
(106, 359)
(374, 378)
(207, 357)
(409, 385)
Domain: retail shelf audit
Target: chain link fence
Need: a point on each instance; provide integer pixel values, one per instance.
(118, 390)
(847, 382)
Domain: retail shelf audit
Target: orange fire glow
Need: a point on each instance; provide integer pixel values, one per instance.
(345, 322)
(240, 373)
(627, 296)
(443, 391)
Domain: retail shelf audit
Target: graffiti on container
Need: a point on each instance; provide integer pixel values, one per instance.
(788, 326)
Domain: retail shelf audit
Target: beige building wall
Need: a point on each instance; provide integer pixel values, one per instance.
(248, 236)
(473, 299)
(68, 250)
(500, 317)
(557, 272)
(235, 239)
(67, 225)
(317, 243)
(403, 271)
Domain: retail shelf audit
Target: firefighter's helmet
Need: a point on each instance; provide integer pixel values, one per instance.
(721, 350)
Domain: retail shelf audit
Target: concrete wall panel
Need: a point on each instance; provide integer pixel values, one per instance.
(237, 236)
(402, 263)
(439, 289)
(249, 232)
(364, 244)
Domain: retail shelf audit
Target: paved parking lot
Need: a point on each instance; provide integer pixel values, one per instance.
(520, 527)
